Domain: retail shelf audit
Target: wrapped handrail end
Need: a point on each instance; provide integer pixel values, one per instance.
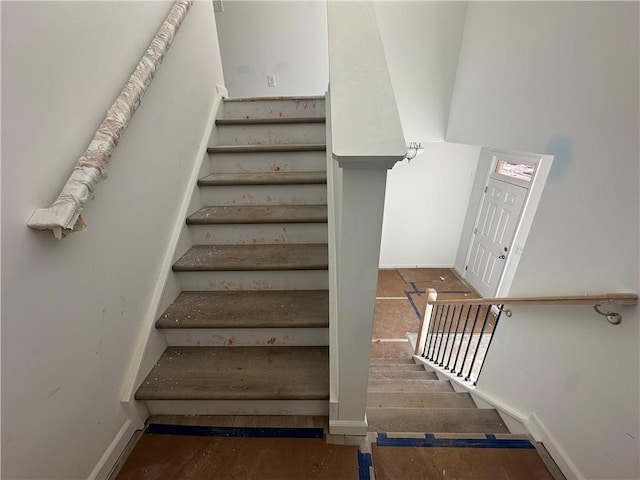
(64, 216)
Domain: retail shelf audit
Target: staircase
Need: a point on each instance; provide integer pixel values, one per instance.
(248, 335)
(404, 397)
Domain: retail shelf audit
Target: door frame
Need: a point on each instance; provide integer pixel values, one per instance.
(486, 166)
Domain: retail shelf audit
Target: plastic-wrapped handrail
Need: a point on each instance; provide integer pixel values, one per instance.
(65, 214)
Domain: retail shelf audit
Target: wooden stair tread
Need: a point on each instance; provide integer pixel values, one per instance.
(269, 121)
(450, 420)
(410, 386)
(263, 178)
(269, 147)
(248, 309)
(260, 421)
(391, 361)
(403, 375)
(259, 214)
(269, 99)
(420, 400)
(396, 368)
(312, 256)
(238, 373)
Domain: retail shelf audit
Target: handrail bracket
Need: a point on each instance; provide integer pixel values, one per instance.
(612, 317)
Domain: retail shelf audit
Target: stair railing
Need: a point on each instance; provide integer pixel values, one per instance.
(364, 140)
(455, 335)
(64, 216)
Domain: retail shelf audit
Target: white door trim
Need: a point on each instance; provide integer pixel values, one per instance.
(543, 166)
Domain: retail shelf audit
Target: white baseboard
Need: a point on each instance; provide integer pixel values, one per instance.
(132, 378)
(541, 433)
(114, 450)
(384, 266)
(348, 427)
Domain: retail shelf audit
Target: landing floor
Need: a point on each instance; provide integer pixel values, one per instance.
(400, 303)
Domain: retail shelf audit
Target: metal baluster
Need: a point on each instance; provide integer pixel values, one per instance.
(500, 307)
(475, 354)
(436, 334)
(455, 334)
(446, 315)
(444, 352)
(464, 360)
(466, 320)
(432, 326)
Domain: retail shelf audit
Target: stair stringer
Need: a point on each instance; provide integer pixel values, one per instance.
(150, 342)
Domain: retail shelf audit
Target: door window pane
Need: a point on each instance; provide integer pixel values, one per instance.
(521, 171)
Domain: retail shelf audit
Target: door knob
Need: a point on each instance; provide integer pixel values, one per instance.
(502, 257)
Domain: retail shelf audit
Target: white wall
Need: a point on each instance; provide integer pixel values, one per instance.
(426, 199)
(72, 309)
(425, 206)
(286, 39)
(421, 42)
(562, 78)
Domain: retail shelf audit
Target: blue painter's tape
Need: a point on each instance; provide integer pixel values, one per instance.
(415, 289)
(364, 462)
(415, 308)
(430, 440)
(199, 431)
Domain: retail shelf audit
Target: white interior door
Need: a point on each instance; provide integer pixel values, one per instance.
(493, 235)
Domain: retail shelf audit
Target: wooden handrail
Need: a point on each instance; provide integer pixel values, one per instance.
(606, 299)
(64, 215)
(596, 301)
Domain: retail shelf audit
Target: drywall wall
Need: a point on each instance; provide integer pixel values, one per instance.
(425, 206)
(72, 309)
(285, 39)
(421, 41)
(289, 40)
(562, 78)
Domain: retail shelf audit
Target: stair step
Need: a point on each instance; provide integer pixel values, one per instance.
(269, 121)
(396, 368)
(273, 107)
(259, 214)
(254, 280)
(410, 386)
(265, 421)
(420, 400)
(248, 309)
(238, 373)
(263, 233)
(263, 178)
(313, 161)
(246, 337)
(253, 258)
(403, 375)
(277, 147)
(449, 420)
(293, 194)
(291, 132)
(392, 361)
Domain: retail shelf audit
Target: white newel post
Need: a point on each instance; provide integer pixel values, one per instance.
(425, 321)
(365, 141)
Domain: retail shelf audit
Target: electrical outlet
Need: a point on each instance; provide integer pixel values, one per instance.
(217, 6)
(271, 80)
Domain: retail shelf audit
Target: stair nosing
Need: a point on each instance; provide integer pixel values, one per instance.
(322, 265)
(263, 178)
(235, 218)
(269, 147)
(272, 99)
(270, 121)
